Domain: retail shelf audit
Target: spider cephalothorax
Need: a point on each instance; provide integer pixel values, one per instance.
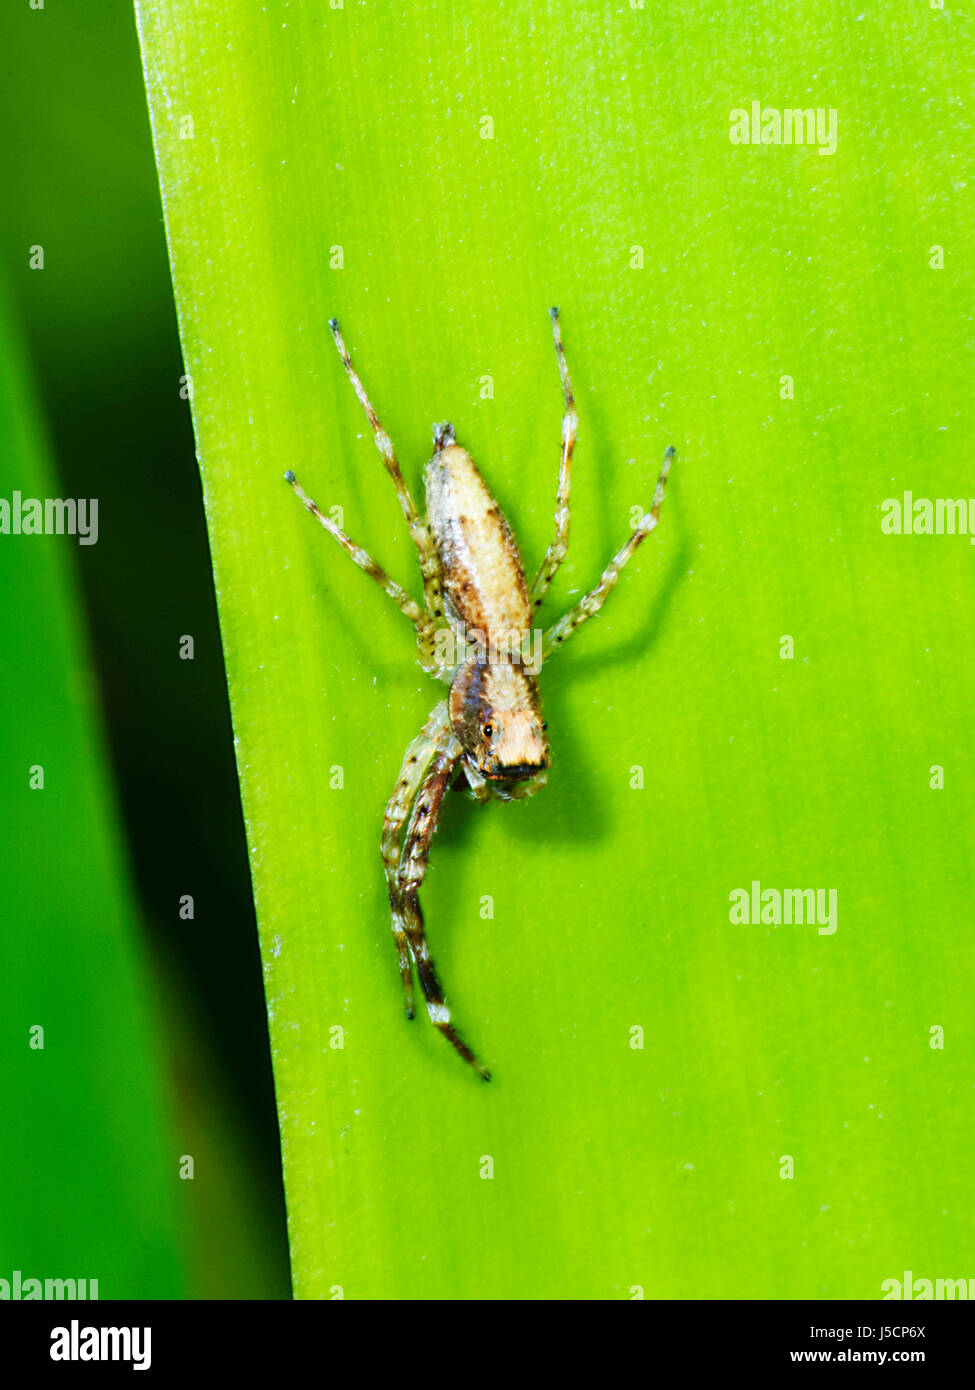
(476, 596)
(495, 711)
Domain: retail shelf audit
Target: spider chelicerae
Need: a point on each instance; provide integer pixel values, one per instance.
(474, 633)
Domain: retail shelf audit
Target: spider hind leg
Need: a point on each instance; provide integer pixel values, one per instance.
(413, 867)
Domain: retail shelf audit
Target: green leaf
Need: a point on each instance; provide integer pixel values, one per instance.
(436, 177)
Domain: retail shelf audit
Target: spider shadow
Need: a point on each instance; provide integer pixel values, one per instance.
(646, 634)
(564, 810)
(389, 660)
(567, 809)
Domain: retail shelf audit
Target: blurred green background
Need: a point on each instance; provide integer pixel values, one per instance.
(693, 277)
(157, 1042)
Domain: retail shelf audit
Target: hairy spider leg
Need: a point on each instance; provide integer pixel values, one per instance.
(561, 631)
(416, 852)
(419, 530)
(570, 425)
(416, 764)
(425, 628)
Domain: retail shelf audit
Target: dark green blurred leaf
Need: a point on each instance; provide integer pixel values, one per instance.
(89, 1184)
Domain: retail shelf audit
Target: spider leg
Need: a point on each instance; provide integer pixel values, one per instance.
(416, 763)
(419, 530)
(570, 423)
(425, 629)
(416, 850)
(561, 631)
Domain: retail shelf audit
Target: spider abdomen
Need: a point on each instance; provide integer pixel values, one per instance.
(485, 592)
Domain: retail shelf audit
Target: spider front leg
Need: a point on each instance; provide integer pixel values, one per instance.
(419, 530)
(424, 624)
(416, 764)
(570, 423)
(416, 851)
(587, 607)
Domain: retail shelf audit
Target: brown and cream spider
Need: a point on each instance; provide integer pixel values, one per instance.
(475, 634)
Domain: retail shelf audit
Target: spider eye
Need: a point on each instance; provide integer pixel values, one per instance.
(488, 730)
(544, 726)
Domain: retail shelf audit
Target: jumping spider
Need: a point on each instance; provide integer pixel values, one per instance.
(490, 726)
